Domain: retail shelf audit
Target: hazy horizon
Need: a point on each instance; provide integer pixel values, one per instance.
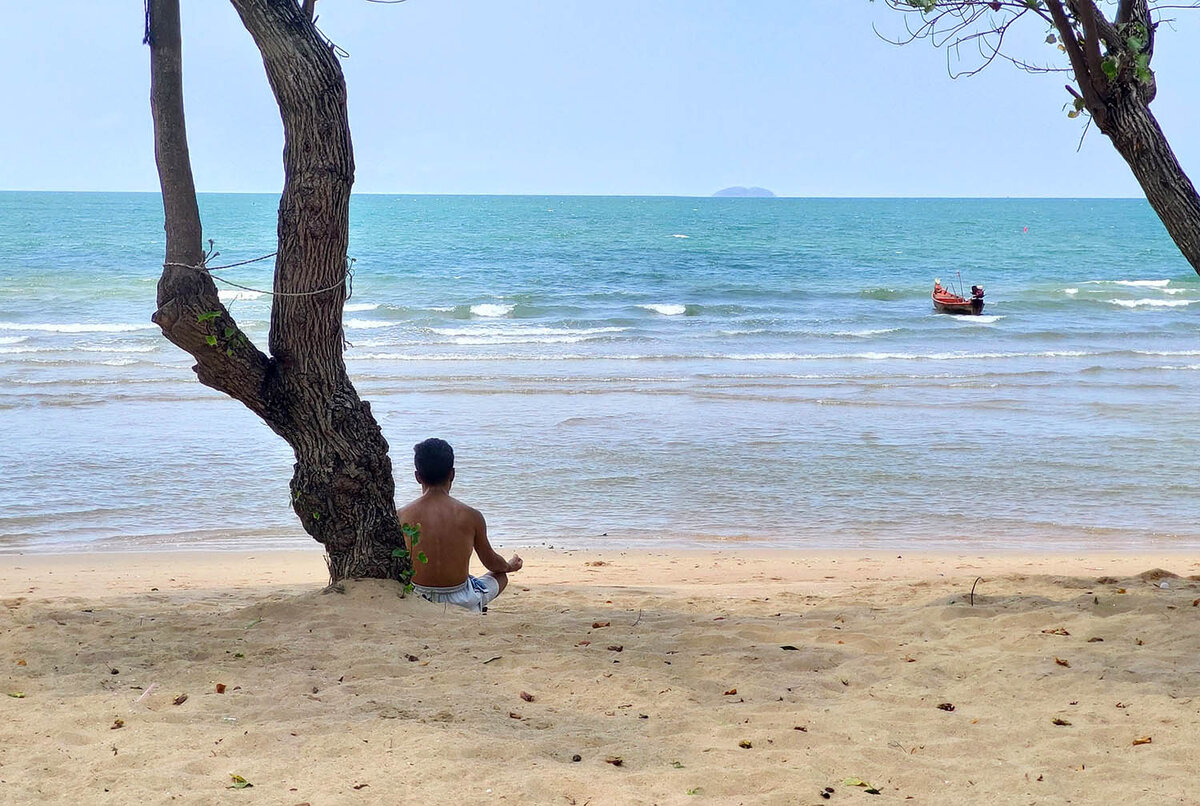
(777, 196)
(529, 97)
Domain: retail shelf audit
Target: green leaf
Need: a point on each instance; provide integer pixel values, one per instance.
(211, 341)
(1109, 66)
(1135, 43)
(229, 331)
(399, 553)
(207, 316)
(421, 556)
(239, 782)
(17, 695)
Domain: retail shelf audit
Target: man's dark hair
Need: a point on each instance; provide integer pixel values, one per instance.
(433, 459)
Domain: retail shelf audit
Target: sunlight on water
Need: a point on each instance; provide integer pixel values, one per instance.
(778, 376)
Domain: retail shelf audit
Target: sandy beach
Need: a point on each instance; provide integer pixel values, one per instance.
(621, 677)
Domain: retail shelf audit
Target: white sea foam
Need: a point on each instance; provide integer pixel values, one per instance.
(77, 327)
(119, 362)
(368, 324)
(878, 356)
(667, 309)
(1144, 283)
(444, 308)
(132, 348)
(24, 350)
(12, 339)
(765, 356)
(1151, 303)
(488, 334)
(522, 330)
(515, 339)
(237, 294)
(1071, 291)
(356, 307)
(374, 343)
(491, 310)
(1132, 283)
(677, 235)
(862, 334)
(984, 319)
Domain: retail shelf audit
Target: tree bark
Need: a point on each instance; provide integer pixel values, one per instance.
(189, 311)
(1138, 138)
(1119, 103)
(342, 486)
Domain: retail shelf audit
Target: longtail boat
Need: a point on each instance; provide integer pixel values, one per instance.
(946, 301)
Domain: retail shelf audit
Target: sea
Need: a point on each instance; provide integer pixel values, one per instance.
(629, 372)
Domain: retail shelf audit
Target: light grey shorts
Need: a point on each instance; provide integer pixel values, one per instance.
(474, 594)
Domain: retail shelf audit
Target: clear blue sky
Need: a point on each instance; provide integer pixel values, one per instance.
(576, 96)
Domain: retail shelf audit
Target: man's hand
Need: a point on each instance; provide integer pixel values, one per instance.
(515, 564)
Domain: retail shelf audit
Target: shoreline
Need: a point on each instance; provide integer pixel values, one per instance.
(674, 677)
(232, 543)
(252, 567)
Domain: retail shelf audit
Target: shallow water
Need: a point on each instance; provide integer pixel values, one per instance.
(634, 371)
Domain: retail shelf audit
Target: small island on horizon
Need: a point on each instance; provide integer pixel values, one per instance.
(739, 192)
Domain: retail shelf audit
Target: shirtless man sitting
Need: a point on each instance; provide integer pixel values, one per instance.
(449, 531)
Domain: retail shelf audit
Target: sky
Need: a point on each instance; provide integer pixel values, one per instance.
(623, 97)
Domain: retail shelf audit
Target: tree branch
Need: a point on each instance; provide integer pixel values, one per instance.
(1079, 63)
(1108, 33)
(1132, 12)
(1091, 46)
(189, 311)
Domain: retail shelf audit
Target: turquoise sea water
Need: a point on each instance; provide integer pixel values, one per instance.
(636, 371)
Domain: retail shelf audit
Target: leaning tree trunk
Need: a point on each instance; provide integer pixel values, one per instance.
(1111, 64)
(1137, 137)
(342, 487)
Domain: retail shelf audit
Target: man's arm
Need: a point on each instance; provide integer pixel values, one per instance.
(487, 555)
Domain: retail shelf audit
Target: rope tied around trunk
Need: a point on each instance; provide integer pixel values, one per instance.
(347, 278)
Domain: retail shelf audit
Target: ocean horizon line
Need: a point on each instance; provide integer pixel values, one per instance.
(276, 193)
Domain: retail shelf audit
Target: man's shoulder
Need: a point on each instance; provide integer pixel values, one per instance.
(465, 509)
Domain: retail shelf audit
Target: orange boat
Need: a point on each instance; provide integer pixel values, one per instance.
(946, 301)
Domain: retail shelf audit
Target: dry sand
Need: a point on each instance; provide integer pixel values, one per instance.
(730, 677)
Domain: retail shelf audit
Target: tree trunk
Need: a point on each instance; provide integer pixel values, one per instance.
(342, 487)
(1136, 135)
(1118, 99)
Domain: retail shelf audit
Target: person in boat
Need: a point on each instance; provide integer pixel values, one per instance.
(937, 286)
(976, 292)
(449, 531)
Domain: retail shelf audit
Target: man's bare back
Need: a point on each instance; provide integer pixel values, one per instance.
(449, 529)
